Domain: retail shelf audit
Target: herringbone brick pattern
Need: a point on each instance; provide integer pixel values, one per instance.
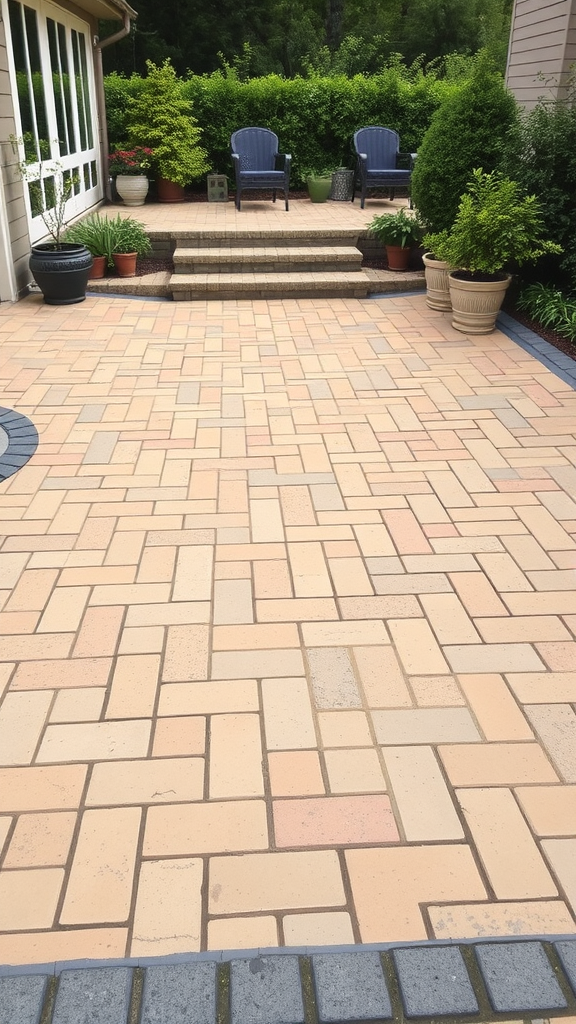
(288, 630)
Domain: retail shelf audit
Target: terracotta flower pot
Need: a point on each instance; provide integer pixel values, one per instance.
(98, 268)
(125, 263)
(133, 188)
(169, 191)
(398, 257)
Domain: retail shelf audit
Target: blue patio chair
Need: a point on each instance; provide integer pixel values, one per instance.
(379, 161)
(258, 164)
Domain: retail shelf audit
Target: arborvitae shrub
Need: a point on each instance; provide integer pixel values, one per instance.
(468, 130)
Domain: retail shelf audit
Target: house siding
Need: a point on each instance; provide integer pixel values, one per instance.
(14, 242)
(542, 48)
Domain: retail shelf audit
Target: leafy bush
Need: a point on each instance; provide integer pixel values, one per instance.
(95, 232)
(496, 224)
(396, 228)
(160, 118)
(542, 156)
(468, 130)
(128, 235)
(315, 118)
(551, 308)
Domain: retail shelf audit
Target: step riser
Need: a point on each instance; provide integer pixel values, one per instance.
(257, 293)
(350, 266)
(245, 239)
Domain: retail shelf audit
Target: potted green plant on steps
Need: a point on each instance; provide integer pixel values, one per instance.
(160, 118)
(398, 232)
(129, 241)
(497, 226)
(59, 267)
(95, 232)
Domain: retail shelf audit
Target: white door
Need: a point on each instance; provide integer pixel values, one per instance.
(53, 86)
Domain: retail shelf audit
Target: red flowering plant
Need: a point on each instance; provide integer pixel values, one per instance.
(130, 161)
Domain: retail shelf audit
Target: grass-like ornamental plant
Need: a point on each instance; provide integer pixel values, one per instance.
(396, 229)
(96, 233)
(551, 308)
(497, 224)
(160, 118)
(128, 235)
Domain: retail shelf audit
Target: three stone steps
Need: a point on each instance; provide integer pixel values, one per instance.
(301, 264)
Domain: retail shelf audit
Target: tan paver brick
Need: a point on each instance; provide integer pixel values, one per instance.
(381, 677)
(253, 637)
(165, 780)
(242, 933)
(309, 570)
(208, 698)
(561, 855)
(494, 707)
(28, 899)
(421, 795)
(235, 756)
(504, 841)
(317, 929)
(41, 840)
(550, 810)
(496, 764)
(95, 741)
(436, 691)
(275, 881)
(134, 686)
(555, 726)
(354, 771)
(178, 736)
(22, 719)
(167, 918)
(248, 664)
(288, 720)
(417, 647)
(41, 788)
(448, 619)
(469, 921)
(295, 773)
(100, 883)
(186, 655)
(415, 875)
(425, 725)
(197, 828)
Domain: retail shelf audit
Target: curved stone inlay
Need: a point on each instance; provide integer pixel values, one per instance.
(18, 441)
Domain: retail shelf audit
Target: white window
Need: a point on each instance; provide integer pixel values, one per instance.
(53, 87)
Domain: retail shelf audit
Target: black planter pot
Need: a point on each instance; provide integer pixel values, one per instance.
(61, 274)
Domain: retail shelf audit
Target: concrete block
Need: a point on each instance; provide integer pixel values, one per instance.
(519, 977)
(21, 998)
(266, 990)
(93, 996)
(180, 994)
(350, 987)
(434, 980)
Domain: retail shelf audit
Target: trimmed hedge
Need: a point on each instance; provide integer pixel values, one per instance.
(315, 118)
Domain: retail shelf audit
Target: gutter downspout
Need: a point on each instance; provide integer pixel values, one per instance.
(100, 97)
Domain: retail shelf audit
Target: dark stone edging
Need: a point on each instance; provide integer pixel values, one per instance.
(555, 360)
(22, 441)
(479, 980)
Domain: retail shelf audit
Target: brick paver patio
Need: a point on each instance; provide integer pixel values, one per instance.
(288, 630)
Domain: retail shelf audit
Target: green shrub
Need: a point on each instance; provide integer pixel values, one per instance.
(468, 130)
(542, 156)
(551, 308)
(95, 232)
(399, 228)
(496, 225)
(160, 117)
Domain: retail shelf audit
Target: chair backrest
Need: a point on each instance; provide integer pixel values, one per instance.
(256, 147)
(381, 146)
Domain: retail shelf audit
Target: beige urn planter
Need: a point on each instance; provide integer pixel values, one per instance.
(437, 285)
(132, 188)
(476, 304)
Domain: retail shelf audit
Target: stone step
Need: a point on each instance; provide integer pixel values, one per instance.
(336, 284)
(244, 237)
(227, 259)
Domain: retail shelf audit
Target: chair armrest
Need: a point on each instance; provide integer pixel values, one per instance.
(363, 157)
(406, 158)
(282, 161)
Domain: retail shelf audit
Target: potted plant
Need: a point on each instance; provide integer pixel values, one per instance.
(129, 241)
(436, 274)
(160, 118)
(59, 267)
(399, 232)
(130, 167)
(95, 232)
(497, 225)
(319, 184)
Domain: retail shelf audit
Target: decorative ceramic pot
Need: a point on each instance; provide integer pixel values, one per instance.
(61, 274)
(437, 286)
(125, 263)
(133, 188)
(476, 304)
(319, 188)
(98, 268)
(398, 257)
(169, 191)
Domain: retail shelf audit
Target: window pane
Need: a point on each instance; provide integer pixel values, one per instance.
(61, 85)
(31, 103)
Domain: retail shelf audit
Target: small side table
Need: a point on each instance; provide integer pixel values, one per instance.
(217, 188)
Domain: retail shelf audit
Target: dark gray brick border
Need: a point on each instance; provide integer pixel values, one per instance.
(470, 980)
(21, 441)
